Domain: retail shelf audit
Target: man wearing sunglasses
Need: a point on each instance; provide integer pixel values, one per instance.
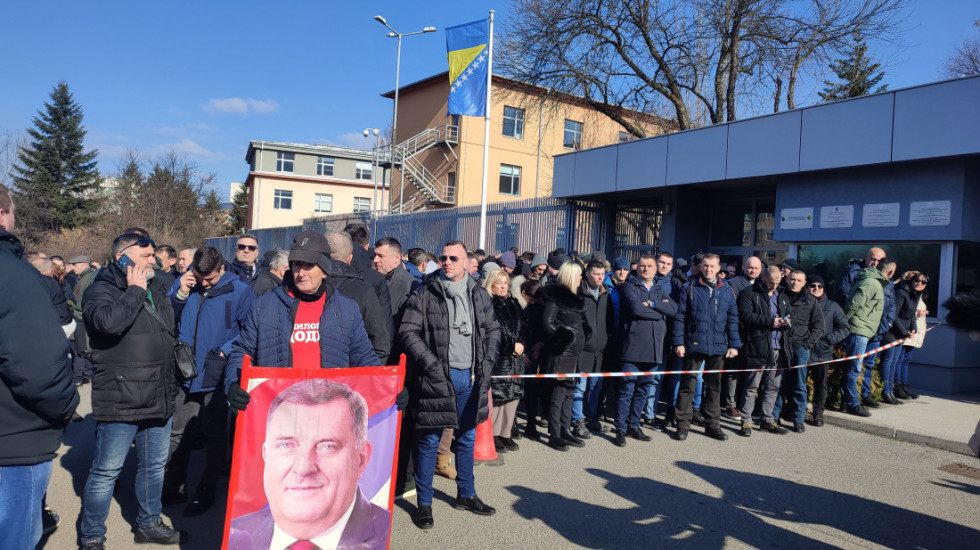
(129, 320)
(835, 331)
(450, 333)
(245, 265)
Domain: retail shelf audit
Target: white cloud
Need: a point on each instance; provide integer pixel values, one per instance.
(191, 149)
(241, 106)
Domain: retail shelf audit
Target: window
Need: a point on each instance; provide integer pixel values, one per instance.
(510, 180)
(324, 166)
(283, 200)
(626, 136)
(284, 161)
(573, 135)
(363, 171)
(514, 122)
(323, 203)
(362, 204)
(451, 187)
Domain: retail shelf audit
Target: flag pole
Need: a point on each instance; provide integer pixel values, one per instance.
(486, 142)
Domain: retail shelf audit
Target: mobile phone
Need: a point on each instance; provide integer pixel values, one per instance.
(124, 262)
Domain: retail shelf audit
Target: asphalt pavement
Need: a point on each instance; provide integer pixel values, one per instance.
(830, 487)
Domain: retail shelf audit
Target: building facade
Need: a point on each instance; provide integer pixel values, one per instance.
(290, 182)
(439, 157)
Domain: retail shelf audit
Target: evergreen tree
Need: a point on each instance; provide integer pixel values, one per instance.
(56, 179)
(856, 73)
(239, 211)
(212, 210)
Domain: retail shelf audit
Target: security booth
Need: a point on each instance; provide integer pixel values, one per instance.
(822, 184)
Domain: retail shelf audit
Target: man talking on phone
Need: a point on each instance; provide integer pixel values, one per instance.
(129, 321)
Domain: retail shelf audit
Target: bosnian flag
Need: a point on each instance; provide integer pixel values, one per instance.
(469, 57)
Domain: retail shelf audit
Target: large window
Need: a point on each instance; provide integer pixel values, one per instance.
(363, 171)
(323, 203)
(967, 267)
(283, 200)
(362, 204)
(510, 180)
(514, 122)
(284, 161)
(324, 166)
(573, 135)
(830, 260)
(451, 186)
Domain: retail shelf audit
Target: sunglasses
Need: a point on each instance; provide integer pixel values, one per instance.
(920, 281)
(251, 247)
(443, 259)
(142, 242)
(815, 285)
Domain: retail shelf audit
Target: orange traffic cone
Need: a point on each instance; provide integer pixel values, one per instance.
(483, 448)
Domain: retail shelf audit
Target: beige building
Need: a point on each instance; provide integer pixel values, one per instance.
(443, 154)
(290, 182)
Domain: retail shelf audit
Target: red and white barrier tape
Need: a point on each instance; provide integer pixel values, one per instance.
(717, 371)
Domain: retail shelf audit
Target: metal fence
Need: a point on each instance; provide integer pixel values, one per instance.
(538, 225)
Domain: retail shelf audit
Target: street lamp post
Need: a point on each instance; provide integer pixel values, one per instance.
(374, 166)
(394, 119)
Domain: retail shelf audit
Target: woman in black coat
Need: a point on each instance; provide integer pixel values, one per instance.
(836, 330)
(506, 392)
(535, 391)
(566, 330)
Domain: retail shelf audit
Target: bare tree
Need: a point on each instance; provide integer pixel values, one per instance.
(965, 60)
(705, 59)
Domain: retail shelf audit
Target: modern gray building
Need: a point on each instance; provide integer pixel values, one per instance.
(899, 169)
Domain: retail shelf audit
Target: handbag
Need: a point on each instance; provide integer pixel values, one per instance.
(183, 354)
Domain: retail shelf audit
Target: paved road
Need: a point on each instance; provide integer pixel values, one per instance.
(828, 488)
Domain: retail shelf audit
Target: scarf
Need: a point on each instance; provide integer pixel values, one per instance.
(457, 292)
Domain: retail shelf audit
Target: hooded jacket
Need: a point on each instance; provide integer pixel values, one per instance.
(132, 355)
(424, 335)
(644, 327)
(377, 321)
(37, 397)
(210, 323)
(866, 302)
(707, 318)
(513, 330)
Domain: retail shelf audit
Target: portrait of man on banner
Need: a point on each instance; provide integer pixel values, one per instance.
(323, 443)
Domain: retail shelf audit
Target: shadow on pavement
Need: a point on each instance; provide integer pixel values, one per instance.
(683, 518)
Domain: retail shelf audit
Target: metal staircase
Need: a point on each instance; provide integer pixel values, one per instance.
(430, 190)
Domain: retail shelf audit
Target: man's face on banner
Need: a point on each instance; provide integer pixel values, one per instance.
(312, 466)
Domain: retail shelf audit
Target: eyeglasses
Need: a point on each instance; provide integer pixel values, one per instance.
(816, 285)
(920, 281)
(141, 242)
(250, 247)
(443, 259)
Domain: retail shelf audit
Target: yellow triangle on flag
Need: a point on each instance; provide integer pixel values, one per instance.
(459, 60)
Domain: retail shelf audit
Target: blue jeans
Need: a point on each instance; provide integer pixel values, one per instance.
(21, 490)
(869, 367)
(632, 396)
(590, 403)
(794, 389)
(578, 396)
(112, 443)
(901, 375)
(653, 393)
(855, 344)
(467, 405)
(889, 361)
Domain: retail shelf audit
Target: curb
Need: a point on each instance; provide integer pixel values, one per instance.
(900, 435)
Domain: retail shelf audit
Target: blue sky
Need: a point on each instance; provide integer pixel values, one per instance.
(204, 78)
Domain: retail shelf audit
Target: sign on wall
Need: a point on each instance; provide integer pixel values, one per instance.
(835, 217)
(881, 215)
(926, 213)
(796, 218)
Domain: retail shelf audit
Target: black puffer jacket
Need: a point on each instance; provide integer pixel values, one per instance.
(756, 317)
(906, 306)
(513, 330)
(265, 282)
(132, 355)
(565, 328)
(835, 330)
(377, 321)
(424, 335)
(36, 393)
(807, 320)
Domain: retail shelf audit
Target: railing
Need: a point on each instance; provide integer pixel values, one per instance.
(403, 156)
(448, 133)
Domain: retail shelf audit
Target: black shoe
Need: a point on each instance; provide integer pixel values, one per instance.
(870, 402)
(637, 433)
(620, 440)
(49, 521)
(746, 430)
(697, 419)
(570, 439)
(900, 392)
(580, 431)
(798, 427)
(530, 432)
(557, 444)
(515, 432)
(475, 505)
(857, 411)
(681, 434)
(775, 428)
(423, 517)
(498, 444)
(509, 443)
(890, 399)
(594, 426)
(908, 390)
(203, 500)
(716, 433)
(160, 533)
(818, 419)
(94, 544)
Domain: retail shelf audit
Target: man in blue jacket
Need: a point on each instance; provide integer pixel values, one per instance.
(210, 305)
(705, 329)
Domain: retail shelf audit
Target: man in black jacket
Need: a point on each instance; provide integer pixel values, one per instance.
(36, 394)
(805, 331)
(377, 321)
(585, 396)
(450, 333)
(130, 324)
(388, 262)
(836, 330)
(362, 262)
(246, 264)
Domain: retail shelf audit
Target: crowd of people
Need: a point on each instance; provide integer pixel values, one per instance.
(161, 335)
